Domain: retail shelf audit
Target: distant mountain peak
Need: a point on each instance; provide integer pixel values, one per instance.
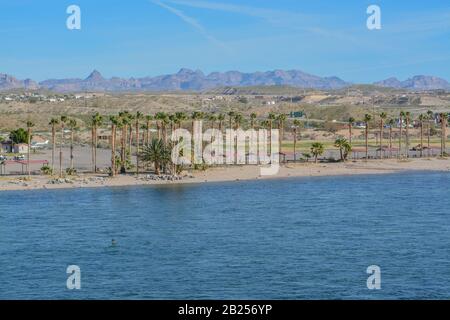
(95, 76)
(418, 82)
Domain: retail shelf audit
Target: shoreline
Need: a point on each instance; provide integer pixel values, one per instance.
(229, 174)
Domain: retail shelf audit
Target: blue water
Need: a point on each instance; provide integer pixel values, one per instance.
(309, 238)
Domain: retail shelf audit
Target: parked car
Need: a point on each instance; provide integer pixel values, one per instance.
(3, 158)
(19, 157)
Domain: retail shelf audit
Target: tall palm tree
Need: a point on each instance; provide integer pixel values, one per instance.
(29, 126)
(281, 119)
(444, 121)
(130, 133)
(180, 117)
(271, 119)
(231, 116)
(367, 119)
(252, 120)
(125, 121)
(402, 115)
(115, 122)
(430, 117)
(383, 117)
(212, 118)
(351, 121)
(391, 124)
(97, 121)
(407, 122)
(148, 119)
(296, 126)
(72, 124)
(422, 118)
(53, 122)
(221, 119)
(63, 121)
(138, 117)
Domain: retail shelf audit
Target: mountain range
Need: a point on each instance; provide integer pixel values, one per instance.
(191, 80)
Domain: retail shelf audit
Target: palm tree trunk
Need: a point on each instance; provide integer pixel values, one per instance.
(390, 141)
(130, 138)
(400, 138)
(92, 148)
(60, 151)
(295, 145)
(53, 147)
(407, 138)
(113, 150)
(381, 139)
(71, 149)
(421, 139)
(350, 133)
(28, 153)
(137, 147)
(123, 149)
(429, 139)
(95, 148)
(367, 140)
(148, 133)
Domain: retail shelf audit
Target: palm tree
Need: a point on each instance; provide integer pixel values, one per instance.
(138, 117)
(53, 122)
(391, 124)
(157, 153)
(238, 120)
(402, 115)
(131, 117)
(63, 121)
(221, 119)
(317, 149)
(367, 119)
(344, 148)
(422, 118)
(231, 116)
(252, 120)
(115, 122)
(29, 126)
(124, 123)
(444, 121)
(271, 119)
(148, 119)
(97, 120)
(281, 118)
(351, 121)
(212, 118)
(430, 117)
(72, 125)
(383, 117)
(407, 121)
(296, 126)
(180, 118)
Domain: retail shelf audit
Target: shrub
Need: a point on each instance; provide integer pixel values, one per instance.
(47, 170)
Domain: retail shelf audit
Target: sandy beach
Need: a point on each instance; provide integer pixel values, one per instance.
(230, 173)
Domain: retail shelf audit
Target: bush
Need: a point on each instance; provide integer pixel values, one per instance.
(71, 171)
(47, 170)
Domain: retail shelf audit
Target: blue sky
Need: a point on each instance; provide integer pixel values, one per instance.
(146, 38)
